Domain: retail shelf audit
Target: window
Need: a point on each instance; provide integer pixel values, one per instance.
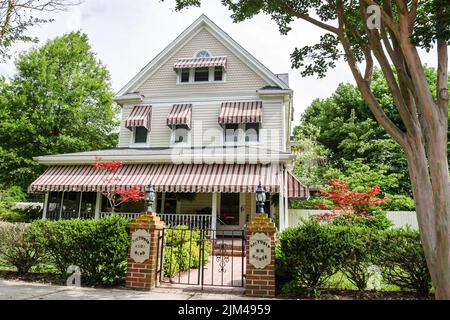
(203, 54)
(201, 74)
(218, 73)
(140, 135)
(184, 75)
(180, 134)
(251, 132)
(231, 132)
(166, 203)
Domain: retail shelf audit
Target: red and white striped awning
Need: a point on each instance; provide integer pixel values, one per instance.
(163, 178)
(295, 188)
(140, 116)
(241, 112)
(200, 62)
(180, 114)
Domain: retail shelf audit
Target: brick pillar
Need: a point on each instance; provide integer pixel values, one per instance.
(144, 255)
(260, 257)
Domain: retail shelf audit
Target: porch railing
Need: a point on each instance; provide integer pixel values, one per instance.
(126, 215)
(192, 220)
(199, 221)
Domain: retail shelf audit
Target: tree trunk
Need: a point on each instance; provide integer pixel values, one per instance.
(432, 198)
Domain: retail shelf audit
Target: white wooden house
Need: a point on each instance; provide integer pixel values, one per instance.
(204, 123)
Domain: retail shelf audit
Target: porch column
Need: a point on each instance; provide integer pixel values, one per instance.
(61, 206)
(286, 200)
(98, 206)
(281, 203)
(214, 211)
(45, 208)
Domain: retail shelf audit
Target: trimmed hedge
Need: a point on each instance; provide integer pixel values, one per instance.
(308, 255)
(98, 247)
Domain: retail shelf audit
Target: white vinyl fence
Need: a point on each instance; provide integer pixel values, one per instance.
(400, 219)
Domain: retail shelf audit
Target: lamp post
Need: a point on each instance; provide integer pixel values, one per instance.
(260, 199)
(150, 197)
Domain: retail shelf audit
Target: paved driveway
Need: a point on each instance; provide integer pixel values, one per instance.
(16, 290)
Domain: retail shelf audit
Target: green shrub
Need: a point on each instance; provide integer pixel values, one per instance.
(359, 246)
(398, 202)
(311, 253)
(403, 262)
(98, 247)
(375, 219)
(182, 250)
(16, 248)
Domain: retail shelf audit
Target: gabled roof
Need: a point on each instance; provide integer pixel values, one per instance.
(202, 22)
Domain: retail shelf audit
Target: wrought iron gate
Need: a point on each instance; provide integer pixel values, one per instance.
(202, 257)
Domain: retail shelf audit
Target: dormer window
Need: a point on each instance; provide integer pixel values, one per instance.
(218, 73)
(184, 76)
(203, 68)
(201, 74)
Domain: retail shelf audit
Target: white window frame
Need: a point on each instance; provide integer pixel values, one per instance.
(140, 144)
(192, 77)
(241, 136)
(180, 144)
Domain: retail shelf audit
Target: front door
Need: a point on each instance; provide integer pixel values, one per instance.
(230, 212)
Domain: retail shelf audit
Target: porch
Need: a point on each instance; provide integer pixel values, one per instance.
(199, 195)
(196, 210)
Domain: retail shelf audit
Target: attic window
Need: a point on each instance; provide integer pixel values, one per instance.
(203, 54)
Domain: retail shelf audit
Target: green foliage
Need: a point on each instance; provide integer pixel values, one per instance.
(360, 248)
(17, 249)
(98, 247)
(403, 262)
(375, 219)
(183, 250)
(59, 101)
(8, 197)
(310, 253)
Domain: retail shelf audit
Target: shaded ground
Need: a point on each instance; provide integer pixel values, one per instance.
(219, 271)
(351, 294)
(17, 290)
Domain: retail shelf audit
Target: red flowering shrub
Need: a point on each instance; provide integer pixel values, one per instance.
(347, 203)
(116, 195)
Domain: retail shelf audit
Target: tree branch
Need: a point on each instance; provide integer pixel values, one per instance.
(395, 132)
(291, 11)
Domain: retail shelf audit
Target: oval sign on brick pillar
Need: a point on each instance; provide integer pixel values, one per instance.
(140, 245)
(260, 250)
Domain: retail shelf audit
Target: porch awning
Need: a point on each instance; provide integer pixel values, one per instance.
(170, 178)
(163, 178)
(180, 114)
(241, 112)
(295, 188)
(140, 116)
(201, 62)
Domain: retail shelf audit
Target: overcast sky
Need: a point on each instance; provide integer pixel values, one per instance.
(126, 35)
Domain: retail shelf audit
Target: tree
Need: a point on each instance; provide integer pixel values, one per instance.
(60, 101)
(16, 16)
(389, 33)
(115, 194)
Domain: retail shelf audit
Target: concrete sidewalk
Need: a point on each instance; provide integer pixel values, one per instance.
(17, 290)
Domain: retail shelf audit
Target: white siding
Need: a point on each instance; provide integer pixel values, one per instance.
(239, 77)
(205, 127)
(161, 91)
